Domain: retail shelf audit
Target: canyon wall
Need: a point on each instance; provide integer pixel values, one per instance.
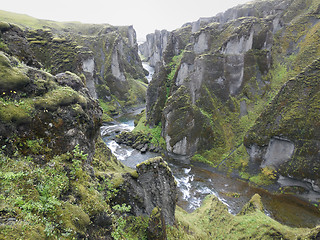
(209, 93)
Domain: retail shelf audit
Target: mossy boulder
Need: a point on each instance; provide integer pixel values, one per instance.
(63, 116)
(12, 78)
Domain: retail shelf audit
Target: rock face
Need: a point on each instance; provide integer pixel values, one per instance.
(210, 69)
(17, 45)
(106, 57)
(217, 76)
(51, 104)
(260, 9)
(154, 187)
(287, 133)
(155, 46)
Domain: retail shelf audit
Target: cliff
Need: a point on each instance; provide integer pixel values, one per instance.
(208, 94)
(285, 136)
(154, 47)
(105, 56)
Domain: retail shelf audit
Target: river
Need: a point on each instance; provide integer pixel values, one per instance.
(197, 180)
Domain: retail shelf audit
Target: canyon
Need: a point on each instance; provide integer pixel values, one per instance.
(233, 98)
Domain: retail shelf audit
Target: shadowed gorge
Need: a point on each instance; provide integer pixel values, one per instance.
(209, 131)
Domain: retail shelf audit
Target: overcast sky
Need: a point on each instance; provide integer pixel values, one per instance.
(144, 15)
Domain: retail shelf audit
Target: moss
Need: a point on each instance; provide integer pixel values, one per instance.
(213, 221)
(109, 109)
(266, 177)
(134, 174)
(252, 206)
(4, 26)
(12, 78)
(61, 96)
(154, 132)
(59, 40)
(43, 42)
(16, 112)
(73, 218)
(21, 229)
(149, 162)
(137, 92)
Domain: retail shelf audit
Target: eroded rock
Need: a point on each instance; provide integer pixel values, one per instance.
(153, 187)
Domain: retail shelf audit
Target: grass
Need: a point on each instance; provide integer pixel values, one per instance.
(155, 132)
(26, 21)
(213, 221)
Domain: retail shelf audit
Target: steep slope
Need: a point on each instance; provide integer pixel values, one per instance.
(209, 92)
(286, 135)
(104, 55)
(57, 177)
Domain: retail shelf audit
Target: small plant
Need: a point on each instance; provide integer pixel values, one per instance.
(78, 158)
(120, 222)
(109, 187)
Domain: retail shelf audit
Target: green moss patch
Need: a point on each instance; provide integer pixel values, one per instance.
(12, 78)
(61, 96)
(16, 111)
(213, 221)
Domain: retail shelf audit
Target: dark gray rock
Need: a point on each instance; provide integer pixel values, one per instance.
(71, 80)
(18, 45)
(103, 220)
(154, 187)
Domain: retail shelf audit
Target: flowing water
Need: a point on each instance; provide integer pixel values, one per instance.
(149, 69)
(197, 180)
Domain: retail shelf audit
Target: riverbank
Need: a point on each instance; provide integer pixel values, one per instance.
(197, 180)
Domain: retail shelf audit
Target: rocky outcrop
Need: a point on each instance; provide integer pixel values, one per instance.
(138, 141)
(260, 9)
(53, 113)
(161, 46)
(209, 69)
(16, 44)
(106, 57)
(154, 186)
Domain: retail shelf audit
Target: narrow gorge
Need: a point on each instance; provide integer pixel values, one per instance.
(209, 131)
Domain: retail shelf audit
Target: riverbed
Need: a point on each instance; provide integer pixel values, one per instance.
(197, 180)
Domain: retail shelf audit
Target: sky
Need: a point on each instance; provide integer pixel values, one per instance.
(145, 15)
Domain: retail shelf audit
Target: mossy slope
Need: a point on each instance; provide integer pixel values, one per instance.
(212, 221)
(115, 75)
